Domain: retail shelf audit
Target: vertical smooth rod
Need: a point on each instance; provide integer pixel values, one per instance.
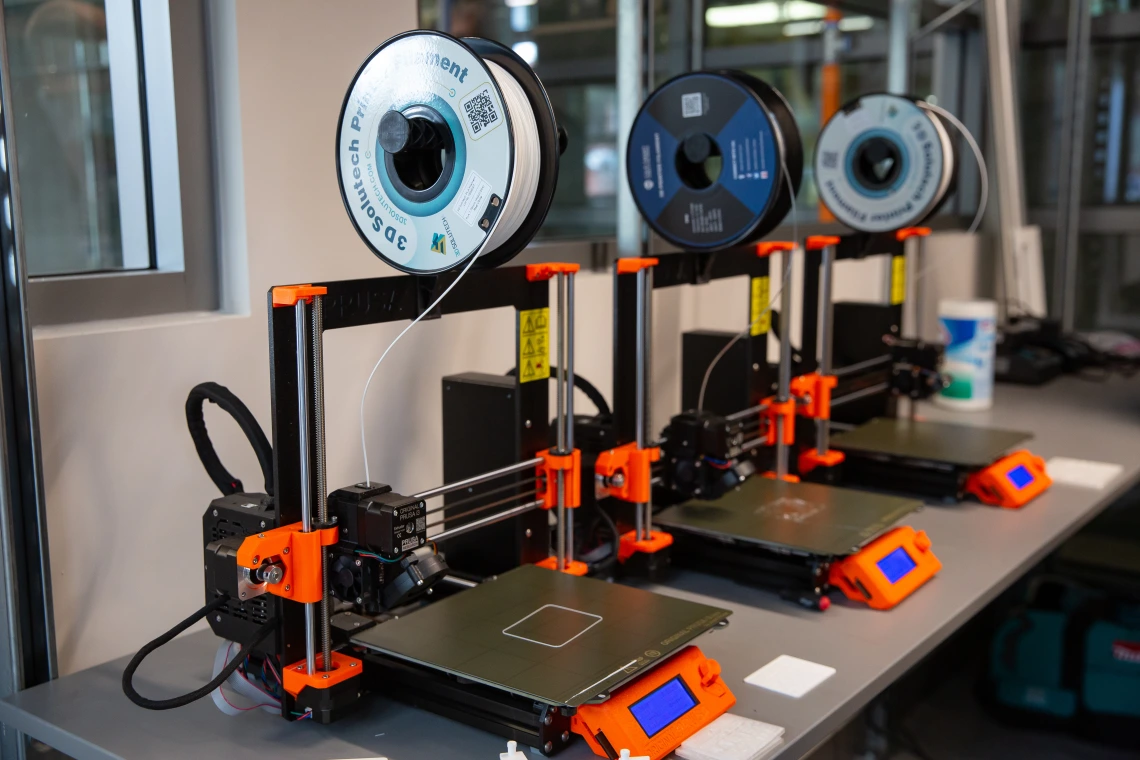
(644, 511)
(319, 470)
(300, 311)
(569, 365)
(783, 391)
(1072, 162)
(560, 385)
(916, 303)
(826, 329)
(1009, 180)
(640, 372)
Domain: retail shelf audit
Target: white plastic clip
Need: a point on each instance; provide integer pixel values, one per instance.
(512, 752)
(626, 756)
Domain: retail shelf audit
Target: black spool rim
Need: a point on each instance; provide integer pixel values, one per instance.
(340, 126)
(547, 144)
(788, 144)
(792, 151)
(951, 186)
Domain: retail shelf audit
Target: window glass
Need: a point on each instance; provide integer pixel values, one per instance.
(64, 124)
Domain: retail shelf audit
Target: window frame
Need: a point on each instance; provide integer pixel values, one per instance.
(164, 108)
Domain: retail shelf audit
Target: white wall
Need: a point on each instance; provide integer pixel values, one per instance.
(125, 491)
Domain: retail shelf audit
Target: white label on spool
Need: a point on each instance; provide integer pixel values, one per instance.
(691, 106)
(473, 197)
(422, 233)
(912, 133)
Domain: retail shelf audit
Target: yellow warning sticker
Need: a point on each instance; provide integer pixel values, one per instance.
(534, 345)
(759, 324)
(898, 280)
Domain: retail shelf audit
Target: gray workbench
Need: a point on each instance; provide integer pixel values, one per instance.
(983, 550)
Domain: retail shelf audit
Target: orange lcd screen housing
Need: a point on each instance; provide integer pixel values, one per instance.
(1011, 482)
(653, 715)
(887, 570)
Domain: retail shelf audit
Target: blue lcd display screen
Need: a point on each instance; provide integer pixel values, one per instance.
(1020, 476)
(896, 564)
(663, 706)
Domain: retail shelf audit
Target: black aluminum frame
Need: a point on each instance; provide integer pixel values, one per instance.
(354, 303)
(672, 270)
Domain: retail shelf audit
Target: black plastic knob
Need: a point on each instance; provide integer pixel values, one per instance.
(398, 134)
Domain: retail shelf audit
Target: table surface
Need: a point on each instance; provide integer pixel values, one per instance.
(983, 551)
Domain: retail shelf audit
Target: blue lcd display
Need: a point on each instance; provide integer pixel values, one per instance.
(896, 564)
(1020, 476)
(662, 706)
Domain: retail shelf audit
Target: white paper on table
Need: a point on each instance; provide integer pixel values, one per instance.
(790, 676)
(732, 737)
(1082, 472)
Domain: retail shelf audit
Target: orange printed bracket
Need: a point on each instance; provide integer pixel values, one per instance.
(629, 545)
(570, 567)
(768, 247)
(547, 480)
(539, 272)
(298, 553)
(296, 677)
(887, 570)
(1011, 482)
(625, 473)
(819, 242)
(811, 458)
(613, 725)
(816, 388)
(289, 295)
(774, 410)
(906, 233)
(632, 265)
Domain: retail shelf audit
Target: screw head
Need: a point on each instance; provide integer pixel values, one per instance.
(218, 618)
(285, 550)
(325, 677)
(359, 563)
(256, 559)
(359, 600)
(529, 533)
(352, 664)
(263, 524)
(287, 587)
(548, 719)
(243, 595)
(527, 424)
(548, 747)
(215, 513)
(261, 535)
(565, 736)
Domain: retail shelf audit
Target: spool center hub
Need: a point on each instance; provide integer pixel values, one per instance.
(419, 151)
(699, 161)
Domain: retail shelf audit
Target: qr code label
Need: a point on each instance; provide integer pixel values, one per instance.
(692, 105)
(830, 159)
(481, 111)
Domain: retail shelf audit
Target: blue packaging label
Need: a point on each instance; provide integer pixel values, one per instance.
(970, 345)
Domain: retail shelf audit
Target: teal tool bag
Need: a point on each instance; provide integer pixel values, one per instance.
(1069, 659)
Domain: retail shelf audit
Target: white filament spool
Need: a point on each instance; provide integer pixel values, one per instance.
(464, 180)
(884, 162)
